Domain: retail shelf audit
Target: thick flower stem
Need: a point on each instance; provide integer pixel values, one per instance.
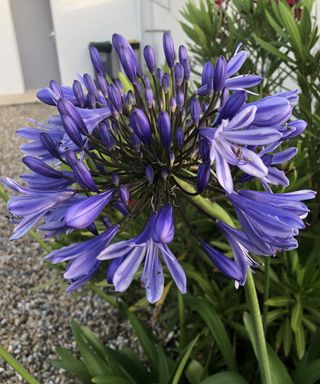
(266, 293)
(261, 345)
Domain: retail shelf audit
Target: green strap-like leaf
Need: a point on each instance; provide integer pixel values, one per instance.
(96, 365)
(310, 374)
(72, 364)
(146, 342)
(279, 372)
(225, 378)
(6, 356)
(178, 371)
(216, 327)
(291, 27)
(108, 379)
(275, 25)
(270, 48)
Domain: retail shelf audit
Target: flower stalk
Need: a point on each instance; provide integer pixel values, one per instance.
(261, 345)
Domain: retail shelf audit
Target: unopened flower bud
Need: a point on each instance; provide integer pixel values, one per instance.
(168, 48)
(90, 84)
(148, 94)
(140, 125)
(164, 126)
(115, 179)
(136, 142)
(102, 84)
(203, 177)
(119, 85)
(180, 99)
(149, 58)
(183, 54)
(126, 55)
(106, 137)
(159, 74)
(178, 74)
(149, 174)
(124, 194)
(173, 103)
(91, 100)
(219, 73)
(115, 97)
(179, 138)
(96, 60)
(165, 82)
(78, 92)
(195, 110)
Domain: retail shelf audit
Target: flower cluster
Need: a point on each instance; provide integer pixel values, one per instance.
(111, 154)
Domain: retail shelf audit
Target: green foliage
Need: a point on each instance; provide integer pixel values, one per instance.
(282, 46)
(99, 364)
(218, 340)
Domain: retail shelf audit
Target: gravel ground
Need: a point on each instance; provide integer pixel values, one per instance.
(34, 310)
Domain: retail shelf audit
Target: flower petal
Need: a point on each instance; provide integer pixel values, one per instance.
(84, 213)
(175, 268)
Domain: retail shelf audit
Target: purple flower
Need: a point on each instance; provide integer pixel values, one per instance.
(115, 97)
(164, 125)
(219, 74)
(149, 58)
(40, 167)
(203, 177)
(240, 246)
(149, 172)
(127, 255)
(32, 205)
(178, 74)
(81, 172)
(47, 96)
(112, 153)
(271, 111)
(96, 60)
(195, 110)
(141, 126)
(82, 257)
(168, 48)
(226, 146)
(86, 211)
(271, 220)
(165, 82)
(223, 72)
(164, 225)
(127, 57)
(179, 137)
(225, 265)
(293, 129)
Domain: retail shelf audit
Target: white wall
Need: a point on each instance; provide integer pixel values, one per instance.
(158, 16)
(11, 80)
(78, 22)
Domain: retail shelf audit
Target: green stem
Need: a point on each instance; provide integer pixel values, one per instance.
(181, 321)
(17, 366)
(266, 292)
(254, 308)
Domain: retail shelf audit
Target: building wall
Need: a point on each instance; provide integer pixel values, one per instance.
(158, 16)
(79, 22)
(11, 79)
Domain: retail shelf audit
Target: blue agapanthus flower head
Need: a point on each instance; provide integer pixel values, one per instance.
(111, 153)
